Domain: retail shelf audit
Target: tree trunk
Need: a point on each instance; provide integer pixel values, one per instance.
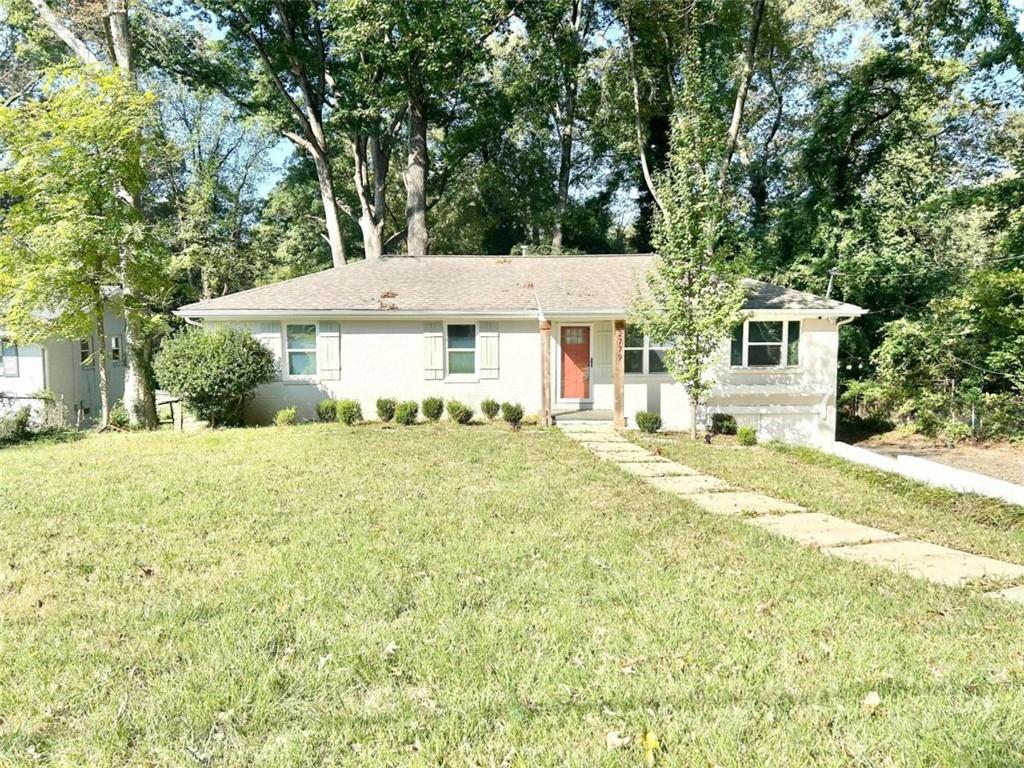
(693, 417)
(335, 239)
(564, 169)
(416, 176)
(742, 89)
(100, 359)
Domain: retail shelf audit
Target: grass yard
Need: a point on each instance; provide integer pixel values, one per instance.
(467, 596)
(825, 483)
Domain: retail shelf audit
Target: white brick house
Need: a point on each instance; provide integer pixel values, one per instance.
(548, 332)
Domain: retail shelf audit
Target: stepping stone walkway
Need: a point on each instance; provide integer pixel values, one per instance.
(832, 535)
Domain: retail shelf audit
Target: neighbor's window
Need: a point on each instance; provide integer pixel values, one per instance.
(301, 349)
(85, 351)
(461, 348)
(642, 354)
(115, 349)
(766, 344)
(8, 351)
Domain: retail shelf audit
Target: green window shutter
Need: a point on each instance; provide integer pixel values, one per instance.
(433, 351)
(488, 338)
(328, 350)
(10, 358)
(736, 352)
(793, 343)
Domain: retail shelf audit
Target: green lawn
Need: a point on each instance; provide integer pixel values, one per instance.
(825, 483)
(466, 596)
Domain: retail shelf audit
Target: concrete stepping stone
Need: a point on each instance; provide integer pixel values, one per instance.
(613, 445)
(742, 502)
(1013, 594)
(816, 529)
(596, 437)
(620, 457)
(654, 468)
(941, 565)
(687, 485)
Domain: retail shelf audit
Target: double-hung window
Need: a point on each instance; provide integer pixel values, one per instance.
(461, 348)
(301, 349)
(116, 352)
(8, 357)
(85, 352)
(766, 344)
(642, 354)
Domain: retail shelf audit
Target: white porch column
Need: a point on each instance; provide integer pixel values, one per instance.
(545, 372)
(619, 373)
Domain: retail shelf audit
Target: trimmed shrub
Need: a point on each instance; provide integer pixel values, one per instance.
(433, 407)
(459, 412)
(119, 416)
(327, 410)
(349, 412)
(285, 417)
(512, 413)
(214, 372)
(490, 408)
(746, 436)
(406, 412)
(648, 422)
(723, 424)
(386, 408)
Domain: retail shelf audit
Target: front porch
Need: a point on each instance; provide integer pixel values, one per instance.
(598, 415)
(582, 370)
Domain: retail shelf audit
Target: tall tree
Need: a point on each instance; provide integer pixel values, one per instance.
(78, 160)
(104, 39)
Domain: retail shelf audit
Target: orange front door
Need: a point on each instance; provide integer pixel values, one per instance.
(575, 362)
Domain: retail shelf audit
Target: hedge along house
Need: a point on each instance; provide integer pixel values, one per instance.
(549, 332)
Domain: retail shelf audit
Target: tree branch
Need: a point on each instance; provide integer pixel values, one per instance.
(62, 31)
(743, 88)
(640, 141)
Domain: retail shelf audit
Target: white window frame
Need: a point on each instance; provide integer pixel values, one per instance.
(286, 374)
(86, 345)
(646, 367)
(784, 355)
(116, 349)
(6, 343)
(475, 375)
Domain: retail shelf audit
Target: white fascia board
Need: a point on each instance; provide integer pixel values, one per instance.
(380, 314)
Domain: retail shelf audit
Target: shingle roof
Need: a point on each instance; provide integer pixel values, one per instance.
(477, 284)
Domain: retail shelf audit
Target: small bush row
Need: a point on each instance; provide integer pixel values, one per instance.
(407, 412)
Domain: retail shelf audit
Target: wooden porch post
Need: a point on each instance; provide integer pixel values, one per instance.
(545, 372)
(619, 373)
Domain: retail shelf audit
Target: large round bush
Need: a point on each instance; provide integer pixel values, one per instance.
(213, 372)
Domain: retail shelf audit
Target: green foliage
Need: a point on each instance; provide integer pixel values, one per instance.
(75, 159)
(119, 415)
(954, 432)
(648, 422)
(16, 427)
(693, 297)
(406, 412)
(723, 424)
(512, 413)
(214, 372)
(349, 412)
(327, 410)
(746, 436)
(458, 412)
(433, 408)
(490, 408)
(285, 417)
(386, 408)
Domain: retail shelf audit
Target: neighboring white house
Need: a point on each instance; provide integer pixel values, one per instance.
(67, 369)
(549, 332)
